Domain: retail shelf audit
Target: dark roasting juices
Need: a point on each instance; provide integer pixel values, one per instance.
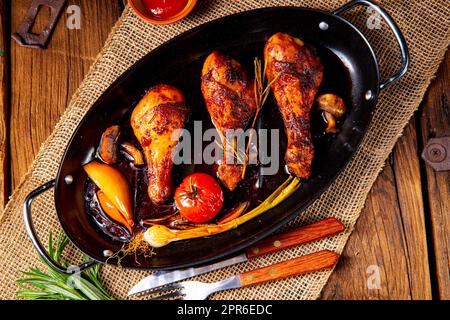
(254, 188)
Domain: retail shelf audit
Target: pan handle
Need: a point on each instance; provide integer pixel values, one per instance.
(34, 237)
(397, 33)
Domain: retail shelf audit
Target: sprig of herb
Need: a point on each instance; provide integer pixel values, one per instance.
(262, 89)
(54, 285)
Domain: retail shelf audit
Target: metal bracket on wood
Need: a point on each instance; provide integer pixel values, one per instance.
(437, 153)
(25, 37)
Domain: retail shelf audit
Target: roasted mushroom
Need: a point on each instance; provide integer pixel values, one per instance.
(333, 108)
(108, 148)
(330, 120)
(132, 153)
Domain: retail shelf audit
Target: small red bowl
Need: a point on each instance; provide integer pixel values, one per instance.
(140, 10)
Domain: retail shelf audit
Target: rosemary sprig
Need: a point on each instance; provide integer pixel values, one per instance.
(54, 285)
(262, 89)
(237, 154)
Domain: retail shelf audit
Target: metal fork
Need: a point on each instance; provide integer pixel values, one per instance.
(196, 290)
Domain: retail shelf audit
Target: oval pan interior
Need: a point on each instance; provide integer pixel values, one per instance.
(178, 62)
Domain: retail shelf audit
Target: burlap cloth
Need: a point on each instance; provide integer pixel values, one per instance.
(425, 25)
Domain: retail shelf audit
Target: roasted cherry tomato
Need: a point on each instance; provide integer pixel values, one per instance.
(199, 198)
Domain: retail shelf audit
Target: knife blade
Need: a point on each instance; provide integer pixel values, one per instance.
(161, 279)
(278, 242)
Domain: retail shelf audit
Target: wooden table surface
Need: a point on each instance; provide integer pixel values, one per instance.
(402, 235)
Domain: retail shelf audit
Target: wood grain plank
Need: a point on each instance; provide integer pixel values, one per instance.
(435, 122)
(408, 180)
(4, 105)
(43, 81)
(389, 239)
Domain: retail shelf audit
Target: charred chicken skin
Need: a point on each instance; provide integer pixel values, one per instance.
(230, 101)
(296, 72)
(156, 121)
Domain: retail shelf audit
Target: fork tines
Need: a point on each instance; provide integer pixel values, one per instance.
(166, 292)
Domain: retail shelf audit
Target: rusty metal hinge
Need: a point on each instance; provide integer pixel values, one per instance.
(25, 37)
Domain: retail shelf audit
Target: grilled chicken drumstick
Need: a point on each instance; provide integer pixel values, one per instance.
(155, 120)
(230, 101)
(298, 72)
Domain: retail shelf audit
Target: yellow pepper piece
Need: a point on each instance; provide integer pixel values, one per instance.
(111, 211)
(115, 187)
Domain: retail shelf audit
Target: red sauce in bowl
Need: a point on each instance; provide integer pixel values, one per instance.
(164, 9)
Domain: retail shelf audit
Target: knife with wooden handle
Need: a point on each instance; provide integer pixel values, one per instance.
(315, 231)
